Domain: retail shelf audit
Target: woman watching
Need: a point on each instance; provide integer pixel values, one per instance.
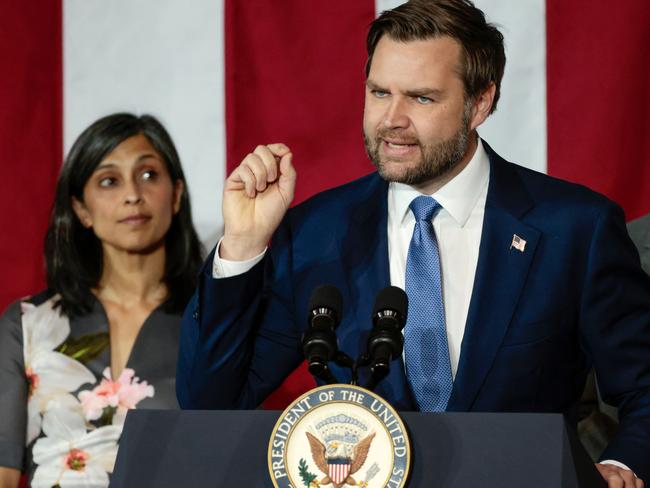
(121, 256)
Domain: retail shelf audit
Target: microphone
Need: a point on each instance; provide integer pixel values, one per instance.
(319, 343)
(386, 341)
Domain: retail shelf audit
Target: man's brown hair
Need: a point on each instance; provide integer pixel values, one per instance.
(483, 57)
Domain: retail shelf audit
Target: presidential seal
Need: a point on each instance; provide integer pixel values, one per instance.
(339, 436)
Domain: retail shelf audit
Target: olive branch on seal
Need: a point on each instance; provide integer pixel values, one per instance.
(305, 475)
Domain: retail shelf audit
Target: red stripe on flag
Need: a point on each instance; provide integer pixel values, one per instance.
(295, 74)
(30, 138)
(598, 70)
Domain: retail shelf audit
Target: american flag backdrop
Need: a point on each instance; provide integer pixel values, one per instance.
(225, 75)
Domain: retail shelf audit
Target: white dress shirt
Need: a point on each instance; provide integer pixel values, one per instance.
(458, 226)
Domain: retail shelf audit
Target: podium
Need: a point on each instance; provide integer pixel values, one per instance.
(171, 448)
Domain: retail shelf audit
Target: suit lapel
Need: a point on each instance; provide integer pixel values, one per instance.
(501, 273)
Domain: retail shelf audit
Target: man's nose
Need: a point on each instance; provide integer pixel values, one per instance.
(396, 115)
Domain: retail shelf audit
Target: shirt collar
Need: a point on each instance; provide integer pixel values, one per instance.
(458, 197)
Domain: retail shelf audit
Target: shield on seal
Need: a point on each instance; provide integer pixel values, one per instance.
(338, 469)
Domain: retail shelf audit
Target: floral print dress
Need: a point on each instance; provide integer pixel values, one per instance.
(62, 411)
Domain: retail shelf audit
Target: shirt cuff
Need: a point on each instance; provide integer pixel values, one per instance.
(615, 463)
(222, 268)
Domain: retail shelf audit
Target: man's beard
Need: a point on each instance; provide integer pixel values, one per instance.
(436, 159)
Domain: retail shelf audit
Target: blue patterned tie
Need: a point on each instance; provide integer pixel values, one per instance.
(425, 337)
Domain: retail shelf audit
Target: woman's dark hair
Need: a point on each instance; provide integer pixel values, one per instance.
(73, 254)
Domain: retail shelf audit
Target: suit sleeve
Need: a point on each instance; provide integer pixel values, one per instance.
(239, 337)
(615, 312)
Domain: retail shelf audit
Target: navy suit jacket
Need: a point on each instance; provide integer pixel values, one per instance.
(538, 319)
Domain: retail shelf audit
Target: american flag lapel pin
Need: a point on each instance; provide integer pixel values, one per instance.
(518, 243)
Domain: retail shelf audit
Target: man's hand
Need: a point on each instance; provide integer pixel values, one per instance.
(617, 477)
(256, 196)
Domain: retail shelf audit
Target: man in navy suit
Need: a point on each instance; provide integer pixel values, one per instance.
(539, 278)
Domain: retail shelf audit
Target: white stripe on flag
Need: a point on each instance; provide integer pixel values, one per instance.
(156, 56)
(517, 130)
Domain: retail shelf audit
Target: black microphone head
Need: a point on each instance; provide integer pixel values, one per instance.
(394, 299)
(327, 296)
(385, 341)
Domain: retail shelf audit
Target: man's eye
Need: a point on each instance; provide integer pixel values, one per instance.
(379, 93)
(107, 182)
(424, 100)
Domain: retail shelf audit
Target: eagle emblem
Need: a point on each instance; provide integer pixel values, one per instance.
(342, 452)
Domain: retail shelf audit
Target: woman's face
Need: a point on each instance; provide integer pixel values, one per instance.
(130, 199)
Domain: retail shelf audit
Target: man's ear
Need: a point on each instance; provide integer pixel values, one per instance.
(179, 188)
(82, 213)
(482, 105)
